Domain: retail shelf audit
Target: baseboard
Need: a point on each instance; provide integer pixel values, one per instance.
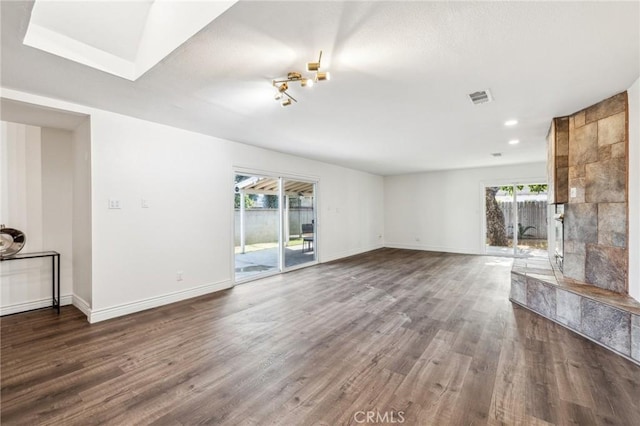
(97, 315)
(443, 249)
(35, 304)
(82, 305)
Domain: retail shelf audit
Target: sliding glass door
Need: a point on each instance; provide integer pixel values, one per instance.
(275, 225)
(516, 219)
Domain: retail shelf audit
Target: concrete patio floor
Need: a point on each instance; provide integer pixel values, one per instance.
(523, 251)
(260, 261)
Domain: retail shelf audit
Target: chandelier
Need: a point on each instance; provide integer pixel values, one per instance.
(282, 85)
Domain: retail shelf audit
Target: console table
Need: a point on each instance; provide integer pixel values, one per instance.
(55, 271)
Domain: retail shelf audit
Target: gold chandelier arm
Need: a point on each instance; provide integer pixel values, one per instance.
(286, 80)
(290, 97)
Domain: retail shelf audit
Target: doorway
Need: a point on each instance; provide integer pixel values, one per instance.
(275, 225)
(515, 219)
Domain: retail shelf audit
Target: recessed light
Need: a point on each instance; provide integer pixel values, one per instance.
(514, 142)
(511, 122)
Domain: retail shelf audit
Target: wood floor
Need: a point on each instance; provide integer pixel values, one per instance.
(391, 335)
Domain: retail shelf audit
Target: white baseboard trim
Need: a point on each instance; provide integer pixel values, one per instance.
(97, 315)
(433, 248)
(82, 305)
(34, 304)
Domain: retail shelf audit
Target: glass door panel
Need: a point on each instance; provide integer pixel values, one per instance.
(299, 223)
(531, 202)
(499, 223)
(257, 226)
(516, 220)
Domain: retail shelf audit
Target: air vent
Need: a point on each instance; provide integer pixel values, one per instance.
(496, 154)
(481, 97)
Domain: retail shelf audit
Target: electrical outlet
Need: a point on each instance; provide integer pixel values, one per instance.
(179, 275)
(114, 203)
(573, 192)
(144, 203)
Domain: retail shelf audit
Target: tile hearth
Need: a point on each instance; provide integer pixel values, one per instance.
(605, 317)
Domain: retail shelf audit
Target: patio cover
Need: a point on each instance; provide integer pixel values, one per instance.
(267, 185)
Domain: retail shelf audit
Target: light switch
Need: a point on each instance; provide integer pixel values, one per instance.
(114, 203)
(144, 203)
(573, 193)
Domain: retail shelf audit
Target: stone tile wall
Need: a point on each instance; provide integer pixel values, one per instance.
(558, 160)
(596, 218)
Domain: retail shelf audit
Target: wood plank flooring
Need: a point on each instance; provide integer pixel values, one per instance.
(390, 335)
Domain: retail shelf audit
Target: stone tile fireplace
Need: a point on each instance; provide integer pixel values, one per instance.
(588, 155)
(595, 222)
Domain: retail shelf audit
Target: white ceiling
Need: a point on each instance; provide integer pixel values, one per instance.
(400, 74)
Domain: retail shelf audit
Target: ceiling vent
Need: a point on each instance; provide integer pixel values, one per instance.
(496, 154)
(481, 97)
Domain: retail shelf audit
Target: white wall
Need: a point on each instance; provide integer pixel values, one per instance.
(24, 284)
(126, 260)
(634, 190)
(22, 208)
(442, 211)
(36, 199)
(350, 203)
(57, 197)
(81, 216)
(187, 179)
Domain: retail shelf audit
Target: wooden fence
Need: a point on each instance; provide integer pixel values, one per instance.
(530, 213)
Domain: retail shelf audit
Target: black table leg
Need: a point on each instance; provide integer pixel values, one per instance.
(58, 278)
(56, 295)
(53, 282)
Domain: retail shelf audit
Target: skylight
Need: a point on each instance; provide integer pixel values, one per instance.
(126, 39)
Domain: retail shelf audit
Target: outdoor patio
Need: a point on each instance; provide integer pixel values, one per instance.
(257, 261)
